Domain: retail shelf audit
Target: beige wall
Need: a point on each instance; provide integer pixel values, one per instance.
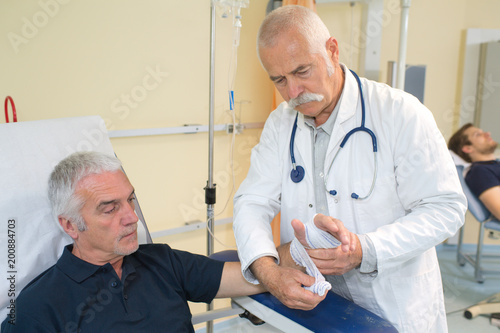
(436, 38)
(140, 65)
(61, 58)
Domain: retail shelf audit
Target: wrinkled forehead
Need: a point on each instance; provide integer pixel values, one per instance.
(290, 52)
(105, 186)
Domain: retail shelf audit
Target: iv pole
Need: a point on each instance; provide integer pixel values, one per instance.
(210, 188)
(403, 36)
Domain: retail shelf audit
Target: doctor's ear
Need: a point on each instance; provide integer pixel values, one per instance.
(69, 227)
(332, 48)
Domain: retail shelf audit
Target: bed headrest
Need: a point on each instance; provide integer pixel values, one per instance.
(29, 151)
(460, 161)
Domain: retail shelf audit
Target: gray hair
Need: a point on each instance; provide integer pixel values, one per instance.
(293, 18)
(65, 177)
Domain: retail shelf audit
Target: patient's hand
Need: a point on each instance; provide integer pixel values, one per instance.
(286, 283)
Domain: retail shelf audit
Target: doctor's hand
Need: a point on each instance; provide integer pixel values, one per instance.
(285, 283)
(331, 225)
(335, 261)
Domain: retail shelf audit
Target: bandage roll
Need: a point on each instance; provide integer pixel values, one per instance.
(316, 239)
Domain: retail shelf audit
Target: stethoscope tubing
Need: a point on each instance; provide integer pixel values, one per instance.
(297, 169)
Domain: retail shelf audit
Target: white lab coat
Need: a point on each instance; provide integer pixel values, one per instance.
(416, 204)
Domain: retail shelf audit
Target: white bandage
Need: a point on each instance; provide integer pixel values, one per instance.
(316, 239)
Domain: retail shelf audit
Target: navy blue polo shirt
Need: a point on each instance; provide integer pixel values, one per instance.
(76, 296)
(483, 176)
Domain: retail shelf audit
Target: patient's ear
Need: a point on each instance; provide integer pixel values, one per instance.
(467, 149)
(68, 227)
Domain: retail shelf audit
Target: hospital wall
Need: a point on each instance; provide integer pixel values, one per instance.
(145, 64)
(436, 38)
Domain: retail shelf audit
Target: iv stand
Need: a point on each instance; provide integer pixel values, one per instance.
(210, 189)
(403, 37)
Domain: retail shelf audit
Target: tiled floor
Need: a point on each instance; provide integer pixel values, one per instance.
(462, 291)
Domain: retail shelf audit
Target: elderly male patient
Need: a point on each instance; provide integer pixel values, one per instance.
(477, 147)
(105, 281)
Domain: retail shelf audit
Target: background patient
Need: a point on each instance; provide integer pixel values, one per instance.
(476, 146)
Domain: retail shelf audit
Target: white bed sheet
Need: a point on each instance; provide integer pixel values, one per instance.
(30, 238)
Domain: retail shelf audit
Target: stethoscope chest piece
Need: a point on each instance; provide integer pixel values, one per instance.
(297, 174)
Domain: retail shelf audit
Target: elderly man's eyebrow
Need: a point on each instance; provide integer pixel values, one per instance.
(105, 203)
(295, 71)
(276, 78)
(300, 68)
(132, 194)
(109, 202)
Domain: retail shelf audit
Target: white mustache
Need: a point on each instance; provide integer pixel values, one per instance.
(304, 98)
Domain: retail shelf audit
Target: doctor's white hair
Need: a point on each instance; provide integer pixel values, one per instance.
(65, 177)
(294, 18)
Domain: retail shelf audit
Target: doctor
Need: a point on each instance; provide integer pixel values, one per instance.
(387, 262)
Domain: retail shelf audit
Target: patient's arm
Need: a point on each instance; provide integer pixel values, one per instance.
(491, 199)
(234, 284)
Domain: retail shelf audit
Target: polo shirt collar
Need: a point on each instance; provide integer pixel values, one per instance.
(130, 262)
(79, 270)
(74, 267)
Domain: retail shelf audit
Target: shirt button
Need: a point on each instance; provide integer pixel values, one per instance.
(336, 200)
(125, 297)
(321, 174)
(310, 205)
(114, 284)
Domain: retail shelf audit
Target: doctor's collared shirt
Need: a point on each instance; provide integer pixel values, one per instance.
(320, 138)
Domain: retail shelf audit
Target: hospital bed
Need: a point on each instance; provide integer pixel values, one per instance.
(34, 240)
(334, 314)
(486, 223)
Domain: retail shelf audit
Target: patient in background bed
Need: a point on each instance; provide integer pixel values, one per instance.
(477, 147)
(105, 281)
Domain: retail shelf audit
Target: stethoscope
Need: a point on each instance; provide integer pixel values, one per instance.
(298, 173)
